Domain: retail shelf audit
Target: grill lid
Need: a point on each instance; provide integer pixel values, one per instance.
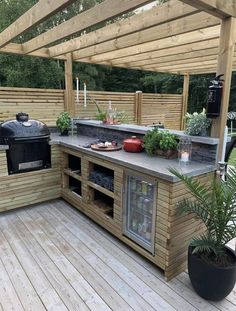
(22, 128)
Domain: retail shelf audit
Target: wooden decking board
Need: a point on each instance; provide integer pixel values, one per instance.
(179, 287)
(160, 287)
(124, 273)
(80, 241)
(86, 294)
(8, 294)
(181, 291)
(35, 274)
(23, 287)
(52, 255)
(100, 285)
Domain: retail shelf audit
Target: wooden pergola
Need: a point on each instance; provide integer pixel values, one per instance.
(182, 37)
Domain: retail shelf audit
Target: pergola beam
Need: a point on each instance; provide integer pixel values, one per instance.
(185, 100)
(167, 12)
(224, 66)
(174, 37)
(169, 59)
(97, 14)
(171, 30)
(15, 48)
(218, 8)
(37, 14)
(198, 47)
(98, 53)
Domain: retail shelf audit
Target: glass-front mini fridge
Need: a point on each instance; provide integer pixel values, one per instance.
(139, 211)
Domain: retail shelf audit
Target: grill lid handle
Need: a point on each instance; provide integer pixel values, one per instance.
(22, 117)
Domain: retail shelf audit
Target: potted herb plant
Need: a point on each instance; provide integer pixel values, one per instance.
(63, 123)
(197, 124)
(160, 142)
(212, 265)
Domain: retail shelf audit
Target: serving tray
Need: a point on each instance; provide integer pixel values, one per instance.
(109, 148)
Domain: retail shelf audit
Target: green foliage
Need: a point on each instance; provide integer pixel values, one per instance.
(100, 114)
(215, 205)
(159, 139)
(25, 71)
(63, 121)
(118, 116)
(197, 123)
(162, 83)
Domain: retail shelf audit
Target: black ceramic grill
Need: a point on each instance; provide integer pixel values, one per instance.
(28, 142)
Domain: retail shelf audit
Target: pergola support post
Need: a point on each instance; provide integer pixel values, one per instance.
(138, 107)
(224, 66)
(69, 92)
(185, 100)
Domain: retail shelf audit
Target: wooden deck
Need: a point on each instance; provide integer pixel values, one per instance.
(54, 258)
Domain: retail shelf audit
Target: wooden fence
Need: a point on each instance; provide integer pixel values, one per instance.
(46, 104)
(140, 108)
(164, 108)
(41, 104)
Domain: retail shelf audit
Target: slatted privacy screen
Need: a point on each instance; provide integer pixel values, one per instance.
(40, 104)
(121, 101)
(46, 104)
(164, 108)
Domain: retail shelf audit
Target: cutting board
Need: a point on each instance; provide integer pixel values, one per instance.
(109, 148)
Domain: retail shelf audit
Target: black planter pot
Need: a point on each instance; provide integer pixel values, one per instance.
(211, 282)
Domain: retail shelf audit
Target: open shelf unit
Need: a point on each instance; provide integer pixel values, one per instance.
(71, 174)
(89, 182)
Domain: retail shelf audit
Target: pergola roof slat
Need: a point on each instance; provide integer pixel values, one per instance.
(101, 12)
(172, 51)
(169, 58)
(173, 28)
(98, 54)
(38, 13)
(172, 37)
(165, 13)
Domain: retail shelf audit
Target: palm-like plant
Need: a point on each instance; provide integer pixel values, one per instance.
(215, 204)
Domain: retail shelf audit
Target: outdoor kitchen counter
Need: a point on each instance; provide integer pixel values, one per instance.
(155, 166)
(169, 233)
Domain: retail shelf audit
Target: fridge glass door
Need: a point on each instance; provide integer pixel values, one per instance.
(140, 211)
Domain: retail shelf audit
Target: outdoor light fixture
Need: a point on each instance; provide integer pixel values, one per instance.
(184, 150)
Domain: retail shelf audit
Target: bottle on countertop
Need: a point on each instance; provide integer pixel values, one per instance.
(109, 113)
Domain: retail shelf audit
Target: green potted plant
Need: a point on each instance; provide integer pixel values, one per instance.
(63, 123)
(197, 124)
(101, 115)
(118, 116)
(160, 142)
(212, 265)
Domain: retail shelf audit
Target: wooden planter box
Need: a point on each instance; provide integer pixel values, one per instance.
(167, 154)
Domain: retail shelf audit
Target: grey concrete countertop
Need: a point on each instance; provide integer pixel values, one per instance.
(139, 129)
(155, 166)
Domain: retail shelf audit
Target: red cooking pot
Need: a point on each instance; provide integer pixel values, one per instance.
(133, 144)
